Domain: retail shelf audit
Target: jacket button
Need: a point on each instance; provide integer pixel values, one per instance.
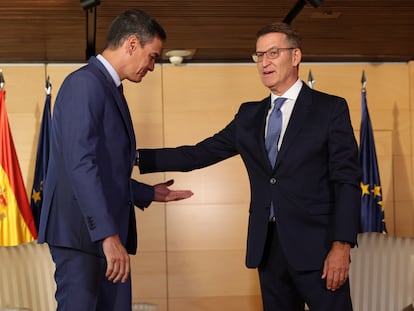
(272, 181)
(130, 203)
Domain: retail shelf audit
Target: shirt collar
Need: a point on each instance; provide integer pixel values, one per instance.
(110, 69)
(292, 93)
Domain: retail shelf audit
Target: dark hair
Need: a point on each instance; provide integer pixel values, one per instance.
(291, 34)
(133, 22)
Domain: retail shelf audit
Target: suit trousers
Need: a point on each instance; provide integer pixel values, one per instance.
(285, 289)
(82, 285)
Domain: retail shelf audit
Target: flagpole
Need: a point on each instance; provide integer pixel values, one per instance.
(363, 81)
(48, 87)
(2, 82)
(311, 81)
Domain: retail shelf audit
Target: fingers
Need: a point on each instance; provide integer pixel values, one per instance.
(335, 276)
(176, 195)
(335, 280)
(325, 270)
(118, 269)
(336, 266)
(163, 194)
(169, 182)
(117, 259)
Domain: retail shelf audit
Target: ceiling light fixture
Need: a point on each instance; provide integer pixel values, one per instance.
(176, 57)
(88, 4)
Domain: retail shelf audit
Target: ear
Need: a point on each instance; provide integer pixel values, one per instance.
(296, 56)
(131, 44)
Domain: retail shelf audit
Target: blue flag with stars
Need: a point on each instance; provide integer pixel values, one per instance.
(42, 159)
(372, 212)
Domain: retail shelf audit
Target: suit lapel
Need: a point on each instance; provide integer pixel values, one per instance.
(259, 133)
(126, 116)
(297, 119)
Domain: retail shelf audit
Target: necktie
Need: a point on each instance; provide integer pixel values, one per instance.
(121, 91)
(274, 127)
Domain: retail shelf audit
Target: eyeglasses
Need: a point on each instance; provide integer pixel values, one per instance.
(271, 53)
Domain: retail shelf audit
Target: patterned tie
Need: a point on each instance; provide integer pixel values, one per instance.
(274, 127)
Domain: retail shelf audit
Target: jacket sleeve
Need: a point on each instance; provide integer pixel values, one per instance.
(143, 194)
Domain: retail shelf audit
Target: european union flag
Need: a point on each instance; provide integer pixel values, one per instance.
(42, 159)
(372, 212)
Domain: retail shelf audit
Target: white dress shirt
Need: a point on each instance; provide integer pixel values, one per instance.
(291, 95)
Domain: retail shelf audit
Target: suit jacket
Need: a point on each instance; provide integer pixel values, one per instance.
(88, 191)
(315, 184)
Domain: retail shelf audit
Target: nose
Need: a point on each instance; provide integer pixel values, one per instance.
(151, 66)
(265, 61)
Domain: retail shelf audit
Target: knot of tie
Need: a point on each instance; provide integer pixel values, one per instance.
(278, 102)
(274, 127)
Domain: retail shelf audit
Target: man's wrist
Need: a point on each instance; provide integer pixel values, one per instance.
(344, 242)
(341, 244)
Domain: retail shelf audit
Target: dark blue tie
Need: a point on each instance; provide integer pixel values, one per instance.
(121, 92)
(274, 126)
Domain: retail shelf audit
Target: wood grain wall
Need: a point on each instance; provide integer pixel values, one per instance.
(191, 253)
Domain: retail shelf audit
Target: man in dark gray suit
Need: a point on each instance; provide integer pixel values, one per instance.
(88, 216)
(304, 177)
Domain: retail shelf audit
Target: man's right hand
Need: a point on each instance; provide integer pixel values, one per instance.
(117, 259)
(164, 194)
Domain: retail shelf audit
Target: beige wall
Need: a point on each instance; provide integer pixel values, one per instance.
(191, 253)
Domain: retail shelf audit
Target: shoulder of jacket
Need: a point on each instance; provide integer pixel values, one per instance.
(326, 96)
(255, 104)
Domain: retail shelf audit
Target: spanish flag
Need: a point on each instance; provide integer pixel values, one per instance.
(16, 220)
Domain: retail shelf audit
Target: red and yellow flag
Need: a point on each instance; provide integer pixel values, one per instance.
(16, 219)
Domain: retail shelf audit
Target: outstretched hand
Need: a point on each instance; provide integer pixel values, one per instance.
(163, 194)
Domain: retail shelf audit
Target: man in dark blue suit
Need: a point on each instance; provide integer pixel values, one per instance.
(88, 216)
(305, 204)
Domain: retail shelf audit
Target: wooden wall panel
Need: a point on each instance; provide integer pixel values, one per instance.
(387, 90)
(149, 277)
(211, 227)
(210, 273)
(207, 227)
(200, 100)
(25, 87)
(222, 183)
(410, 203)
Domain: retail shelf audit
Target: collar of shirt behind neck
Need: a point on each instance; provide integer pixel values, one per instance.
(110, 69)
(292, 93)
